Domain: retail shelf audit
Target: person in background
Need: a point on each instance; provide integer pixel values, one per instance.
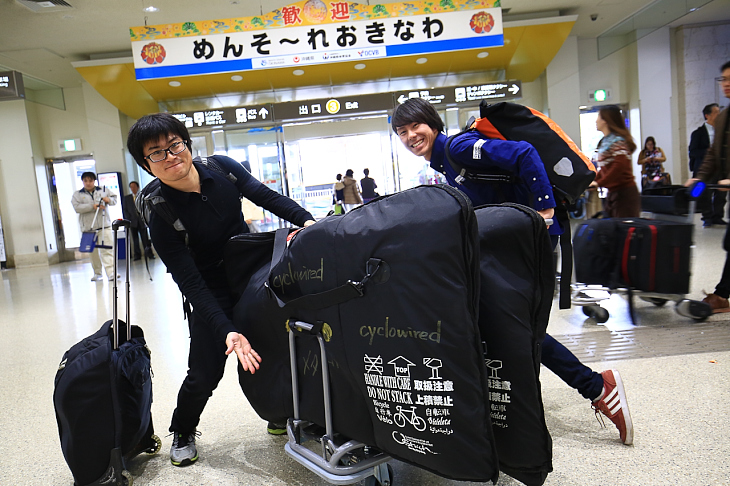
(90, 203)
(207, 204)
(351, 193)
(700, 140)
(368, 186)
(650, 160)
(716, 167)
(421, 130)
(614, 161)
(137, 228)
(338, 195)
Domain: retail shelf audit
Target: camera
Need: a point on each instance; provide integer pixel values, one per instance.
(594, 17)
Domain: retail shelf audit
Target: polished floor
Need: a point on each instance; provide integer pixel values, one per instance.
(676, 372)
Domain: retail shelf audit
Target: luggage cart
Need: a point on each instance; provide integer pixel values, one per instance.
(339, 460)
(670, 203)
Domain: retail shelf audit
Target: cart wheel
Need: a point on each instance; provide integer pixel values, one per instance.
(128, 479)
(694, 309)
(598, 313)
(655, 300)
(156, 448)
(387, 481)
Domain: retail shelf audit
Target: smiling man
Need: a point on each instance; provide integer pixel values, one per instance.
(208, 205)
(420, 128)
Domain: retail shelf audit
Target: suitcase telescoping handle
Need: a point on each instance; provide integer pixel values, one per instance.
(115, 323)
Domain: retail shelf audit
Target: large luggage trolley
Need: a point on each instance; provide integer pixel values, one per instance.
(647, 258)
(339, 460)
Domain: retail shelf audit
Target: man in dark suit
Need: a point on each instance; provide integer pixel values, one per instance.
(716, 166)
(137, 227)
(700, 140)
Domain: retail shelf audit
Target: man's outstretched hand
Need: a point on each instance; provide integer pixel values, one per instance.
(249, 358)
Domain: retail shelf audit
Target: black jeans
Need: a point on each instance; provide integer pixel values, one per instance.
(136, 234)
(206, 363)
(723, 288)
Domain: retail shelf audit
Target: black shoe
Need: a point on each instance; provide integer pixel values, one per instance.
(137, 257)
(721, 222)
(707, 224)
(274, 428)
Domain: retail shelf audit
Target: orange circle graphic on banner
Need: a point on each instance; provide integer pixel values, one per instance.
(153, 53)
(481, 22)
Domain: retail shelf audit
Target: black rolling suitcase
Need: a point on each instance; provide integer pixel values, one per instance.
(103, 396)
(654, 255)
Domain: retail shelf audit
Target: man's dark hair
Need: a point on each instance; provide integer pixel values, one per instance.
(349, 173)
(339, 177)
(88, 174)
(133, 182)
(416, 110)
(707, 110)
(150, 128)
(725, 66)
(366, 172)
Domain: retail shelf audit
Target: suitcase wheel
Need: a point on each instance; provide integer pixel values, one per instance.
(385, 476)
(127, 478)
(596, 312)
(154, 449)
(694, 309)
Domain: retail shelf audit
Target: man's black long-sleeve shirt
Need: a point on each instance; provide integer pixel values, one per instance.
(211, 218)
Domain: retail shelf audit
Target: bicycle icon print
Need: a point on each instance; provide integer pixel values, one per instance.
(402, 416)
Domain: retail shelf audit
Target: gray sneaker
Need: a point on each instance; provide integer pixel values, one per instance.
(97, 278)
(183, 451)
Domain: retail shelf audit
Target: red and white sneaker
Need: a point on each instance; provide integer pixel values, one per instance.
(615, 406)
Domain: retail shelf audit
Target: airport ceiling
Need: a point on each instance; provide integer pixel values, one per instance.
(76, 40)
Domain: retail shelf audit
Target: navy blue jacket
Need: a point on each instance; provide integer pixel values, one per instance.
(211, 218)
(472, 149)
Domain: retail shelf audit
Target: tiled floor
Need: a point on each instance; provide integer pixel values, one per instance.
(677, 376)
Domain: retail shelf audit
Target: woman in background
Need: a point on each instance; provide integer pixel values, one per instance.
(650, 160)
(615, 169)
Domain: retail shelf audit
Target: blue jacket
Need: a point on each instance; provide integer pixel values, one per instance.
(472, 149)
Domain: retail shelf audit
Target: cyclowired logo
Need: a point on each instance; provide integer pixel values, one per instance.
(153, 53)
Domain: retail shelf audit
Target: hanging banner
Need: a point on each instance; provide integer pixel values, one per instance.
(315, 32)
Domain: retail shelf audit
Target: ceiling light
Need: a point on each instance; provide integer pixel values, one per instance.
(236, 77)
(151, 9)
(174, 84)
(421, 60)
(482, 54)
(360, 66)
(298, 72)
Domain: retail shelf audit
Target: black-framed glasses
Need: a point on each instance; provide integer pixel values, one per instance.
(174, 149)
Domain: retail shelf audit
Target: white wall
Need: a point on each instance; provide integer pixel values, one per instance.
(655, 95)
(700, 51)
(19, 201)
(563, 88)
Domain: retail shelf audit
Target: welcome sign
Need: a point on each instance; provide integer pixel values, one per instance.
(315, 32)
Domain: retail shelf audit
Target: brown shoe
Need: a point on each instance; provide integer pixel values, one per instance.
(717, 303)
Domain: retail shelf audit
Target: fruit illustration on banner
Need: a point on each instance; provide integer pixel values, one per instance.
(481, 22)
(153, 53)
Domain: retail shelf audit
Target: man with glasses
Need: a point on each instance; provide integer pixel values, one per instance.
(716, 166)
(208, 205)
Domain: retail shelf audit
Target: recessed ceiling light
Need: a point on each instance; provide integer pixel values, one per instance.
(298, 72)
(482, 55)
(174, 84)
(360, 66)
(421, 60)
(236, 77)
(151, 9)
